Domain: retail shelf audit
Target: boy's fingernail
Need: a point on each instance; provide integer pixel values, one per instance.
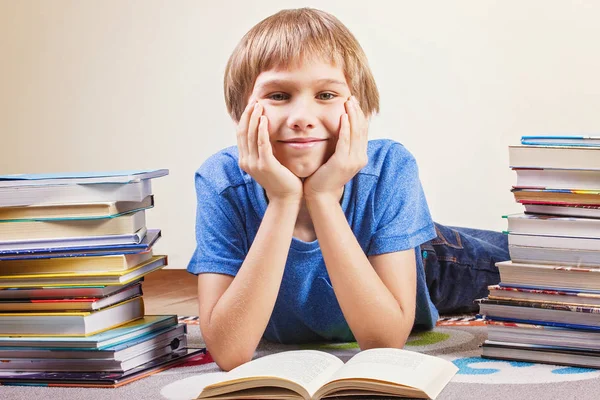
(355, 100)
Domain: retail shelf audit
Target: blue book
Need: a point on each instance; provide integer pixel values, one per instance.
(81, 249)
(80, 178)
(571, 141)
(127, 347)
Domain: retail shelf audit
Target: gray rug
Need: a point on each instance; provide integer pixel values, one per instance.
(477, 379)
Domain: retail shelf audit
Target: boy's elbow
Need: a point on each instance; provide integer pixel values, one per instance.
(227, 362)
(227, 357)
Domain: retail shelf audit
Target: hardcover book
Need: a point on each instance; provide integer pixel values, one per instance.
(560, 277)
(85, 278)
(71, 323)
(61, 212)
(516, 332)
(564, 140)
(540, 178)
(543, 312)
(541, 354)
(558, 157)
(105, 379)
(80, 178)
(27, 230)
(113, 337)
(82, 248)
(549, 225)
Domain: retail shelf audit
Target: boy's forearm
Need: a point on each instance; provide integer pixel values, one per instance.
(373, 314)
(240, 317)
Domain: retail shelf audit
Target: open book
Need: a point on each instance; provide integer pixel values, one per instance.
(311, 374)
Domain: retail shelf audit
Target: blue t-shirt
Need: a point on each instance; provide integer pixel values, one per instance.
(384, 204)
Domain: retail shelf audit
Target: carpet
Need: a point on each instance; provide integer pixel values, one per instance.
(456, 340)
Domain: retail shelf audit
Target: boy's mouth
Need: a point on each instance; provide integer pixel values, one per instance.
(303, 143)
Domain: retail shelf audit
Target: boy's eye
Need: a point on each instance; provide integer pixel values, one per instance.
(278, 96)
(326, 96)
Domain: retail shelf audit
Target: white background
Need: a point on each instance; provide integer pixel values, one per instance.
(104, 85)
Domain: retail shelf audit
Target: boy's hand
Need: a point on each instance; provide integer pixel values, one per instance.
(257, 159)
(350, 155)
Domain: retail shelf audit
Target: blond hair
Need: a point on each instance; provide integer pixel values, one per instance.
(288, 38)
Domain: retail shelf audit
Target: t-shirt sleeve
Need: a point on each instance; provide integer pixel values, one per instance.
(220, 246)
(403, 218)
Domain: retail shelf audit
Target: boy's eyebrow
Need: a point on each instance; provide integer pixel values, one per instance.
(276, 82)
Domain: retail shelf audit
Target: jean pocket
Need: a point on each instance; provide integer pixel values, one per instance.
(447, 237)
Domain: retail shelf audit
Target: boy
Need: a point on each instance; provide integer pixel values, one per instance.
(307, 231)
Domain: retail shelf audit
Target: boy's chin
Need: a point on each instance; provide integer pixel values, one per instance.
(303, 172)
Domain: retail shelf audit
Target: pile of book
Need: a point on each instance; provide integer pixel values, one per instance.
(74, 250)
(547, 306)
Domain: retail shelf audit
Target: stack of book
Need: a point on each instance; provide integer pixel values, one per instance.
(74, 250)
(547, 305)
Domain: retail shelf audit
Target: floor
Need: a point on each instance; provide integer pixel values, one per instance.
(170, 291)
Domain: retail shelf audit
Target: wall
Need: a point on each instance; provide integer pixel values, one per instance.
(97, 85)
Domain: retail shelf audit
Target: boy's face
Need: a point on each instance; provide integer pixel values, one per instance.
(304, 106)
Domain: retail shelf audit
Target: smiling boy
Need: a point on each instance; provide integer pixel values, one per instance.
(306, 231)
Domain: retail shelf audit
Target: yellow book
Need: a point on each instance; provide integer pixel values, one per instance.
(75, 210)
(28, 230)
(313, 375)
(71, 323)
(109, 278)
(45, 266)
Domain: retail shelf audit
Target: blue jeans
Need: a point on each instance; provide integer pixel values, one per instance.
(460, 264)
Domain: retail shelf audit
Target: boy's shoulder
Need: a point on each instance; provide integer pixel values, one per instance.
(387, 154)
(222, 169)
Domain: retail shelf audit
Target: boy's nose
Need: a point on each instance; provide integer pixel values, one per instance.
(301, 116)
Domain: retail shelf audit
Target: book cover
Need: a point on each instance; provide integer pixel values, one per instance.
(113, 337)
(86, 278)
(564, 140)
(89, 264)
(26, 230)
(83, 249)
(68, 194)
(106, 379)
(79, 178)
(74, 212)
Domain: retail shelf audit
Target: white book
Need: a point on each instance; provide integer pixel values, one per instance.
(544, 276)
(80, 178)
(558, 179)
(557, 242)
(66, 194)
(71, 323)
(584, 211)
(552, 255)
(558, 157)
(70, 242)
(30, 230)
(312, 375)
(551, 225)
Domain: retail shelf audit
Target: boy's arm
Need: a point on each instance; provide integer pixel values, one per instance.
(378, 300)
(234, 311)
(377, 295)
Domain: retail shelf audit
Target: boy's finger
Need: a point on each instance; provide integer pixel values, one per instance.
(253, 131)
(242, 130)
(265, 151)
(354, 123)
(343, 143)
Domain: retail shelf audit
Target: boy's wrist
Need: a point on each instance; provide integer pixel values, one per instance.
(287, 202)
(322, 199)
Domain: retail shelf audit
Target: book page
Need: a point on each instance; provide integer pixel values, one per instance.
(401, 367)
(307, 368)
